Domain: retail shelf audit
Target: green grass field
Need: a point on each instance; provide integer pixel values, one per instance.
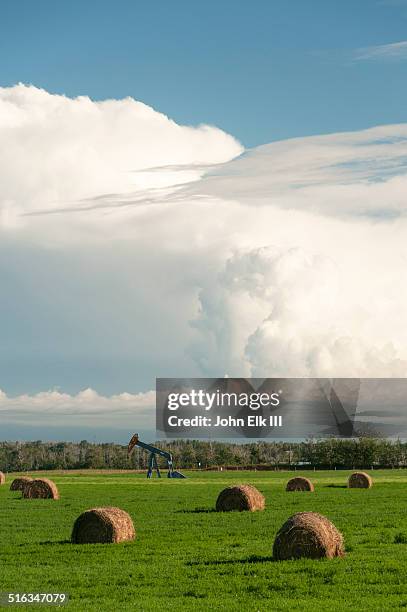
(188, 557)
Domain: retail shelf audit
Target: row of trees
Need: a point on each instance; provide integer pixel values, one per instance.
(331, 453)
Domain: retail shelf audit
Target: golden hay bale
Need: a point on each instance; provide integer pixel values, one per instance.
(40, 488)
(308, 534)
(18, 484)
(360, 480)
(240, 497)
(299, 484)
(104, 526)
(2, 478)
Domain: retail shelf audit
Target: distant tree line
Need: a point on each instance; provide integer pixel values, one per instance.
(322, 454)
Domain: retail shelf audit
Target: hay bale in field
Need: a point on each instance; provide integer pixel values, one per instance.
(18, 484)
(360, 480)
(299, 484)
(2, 478)
(240, 497)
(308, 534)
(40, 488)
(104, 526)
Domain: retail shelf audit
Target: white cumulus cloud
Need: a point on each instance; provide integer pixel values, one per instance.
(293, 313)
(84, 409)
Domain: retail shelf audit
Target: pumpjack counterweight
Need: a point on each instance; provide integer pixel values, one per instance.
(152, 460)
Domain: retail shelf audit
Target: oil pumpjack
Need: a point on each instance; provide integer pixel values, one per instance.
(152, 461)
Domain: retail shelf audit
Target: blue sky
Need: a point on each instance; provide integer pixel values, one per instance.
(262, 70)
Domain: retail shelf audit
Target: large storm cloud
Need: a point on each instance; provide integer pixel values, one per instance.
(132, 247)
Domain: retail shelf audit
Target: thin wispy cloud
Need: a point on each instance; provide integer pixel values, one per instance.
(392, 51)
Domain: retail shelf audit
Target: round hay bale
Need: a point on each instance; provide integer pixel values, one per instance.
(308, 534)
(360, 480)
(40, 488)
(2, 478)
(18, 484)
(240, 497)
(299, 484)
(103, 526)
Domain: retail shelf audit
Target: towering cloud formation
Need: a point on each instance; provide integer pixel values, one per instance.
(292, 313)
(133, 247)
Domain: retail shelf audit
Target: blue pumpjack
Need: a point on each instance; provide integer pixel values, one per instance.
(152, 461)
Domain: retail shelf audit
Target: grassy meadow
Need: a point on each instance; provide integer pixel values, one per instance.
(188, 557)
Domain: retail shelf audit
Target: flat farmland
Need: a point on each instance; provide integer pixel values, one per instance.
(188, 557)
